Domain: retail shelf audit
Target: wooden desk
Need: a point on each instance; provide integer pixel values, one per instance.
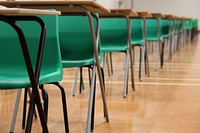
(15, 15)
(119, 12)
(184, 18)
(144, 14)
(169, 16)
(20, 11)
(59, 5)
(158, 15)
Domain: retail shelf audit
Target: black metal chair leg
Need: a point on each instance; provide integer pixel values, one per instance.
(29, 93)
(93, 107)
(89, 73)
(170, 54)
(82, 83)
(102, 72)
(147, 60)
(64, 103)
(30, 115)
(108, 67)
(132, 68)
(133, 52)
(24, 108)
(46, 100)
(146, 63)
(111, 65)
(81, 80)
(127, 84)
(162, 55)
(140, 62)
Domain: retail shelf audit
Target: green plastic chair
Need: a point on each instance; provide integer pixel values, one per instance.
(173, 33)
(77, 51)
(13, 72)
(167, 34)
(194, 28)
(138, 39)
(165, 28)
(188, 27)
(188, 24)
(179, 32)
(154, 34)
(114, 38)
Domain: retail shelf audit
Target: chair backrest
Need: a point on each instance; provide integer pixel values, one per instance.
(165, 27)
(188, 24)
(180, 27)
(137, 31)
(173, 26)
(194, 23)
(76, 41)
(113, 34)
(152, 29)
(11, 57)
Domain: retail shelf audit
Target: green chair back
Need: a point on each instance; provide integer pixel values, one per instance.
(137, 31)
(194, 23)
(173, 24)
(165, 27)
(76, 41)
(13, 73)
(180, 22)
(188, 24)
(113, 34)
(152, 30)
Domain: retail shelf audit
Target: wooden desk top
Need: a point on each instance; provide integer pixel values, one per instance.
(19, 11)
(90, 5)
(185, 18)
(158, 15)
(144, 14)
(119, 13)
(169, 16)
(179, 18)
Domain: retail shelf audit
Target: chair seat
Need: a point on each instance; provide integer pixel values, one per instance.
(114, 48)
(137, 42)
(77, 63)
(113, 34)
(76, 42)
(154, 39)
(10, 81)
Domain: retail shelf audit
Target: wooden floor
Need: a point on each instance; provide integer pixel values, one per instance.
(166, 102)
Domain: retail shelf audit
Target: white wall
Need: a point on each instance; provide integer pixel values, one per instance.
(115, 3)
(187, 8)
(107, 3)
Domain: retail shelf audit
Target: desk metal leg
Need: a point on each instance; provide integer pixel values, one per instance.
(90, 105)
(93, 106)
(95, 38)
(126, 74)
(15, 111)
(75, 82)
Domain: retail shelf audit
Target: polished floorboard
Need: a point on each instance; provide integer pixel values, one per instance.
(166, 102)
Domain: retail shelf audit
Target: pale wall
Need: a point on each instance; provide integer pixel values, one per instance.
(187, 8)
(107, 3)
